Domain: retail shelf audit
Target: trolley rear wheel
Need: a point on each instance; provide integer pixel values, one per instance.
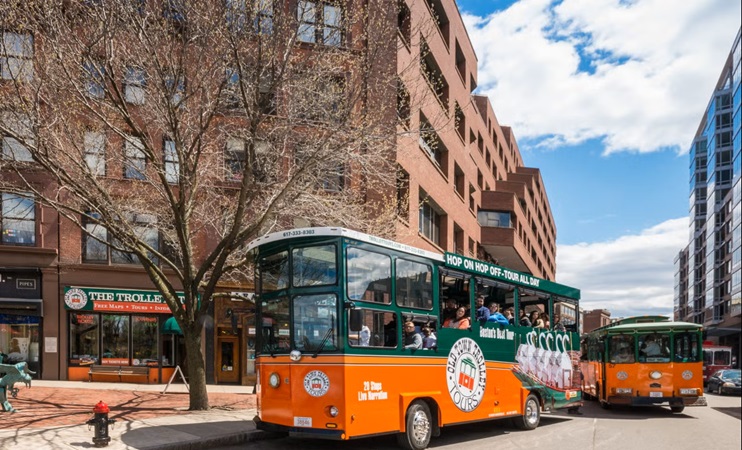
(531, 414)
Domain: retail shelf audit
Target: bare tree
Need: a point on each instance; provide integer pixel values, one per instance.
(173, 132)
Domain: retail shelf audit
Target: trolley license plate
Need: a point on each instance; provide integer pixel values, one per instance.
(655, 394)
(302, 421)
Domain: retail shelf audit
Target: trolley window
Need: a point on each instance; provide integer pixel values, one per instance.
(369, 276)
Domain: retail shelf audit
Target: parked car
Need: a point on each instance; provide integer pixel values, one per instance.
(725, 382)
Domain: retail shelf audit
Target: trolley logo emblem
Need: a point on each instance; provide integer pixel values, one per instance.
(466, 374)
(687, 375)
(316, 383)
(76, 298)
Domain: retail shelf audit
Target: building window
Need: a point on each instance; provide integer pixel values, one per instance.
(95, 152)
(135, 161)
(323, 101)
(263, 22)
(319, 22)
(18, 219)
(84, 335)
(432, 145)
(93, 73)
(98, 243)
(145, 228)
(237, 16)
(95, 239)
(135, 81)
(144, 340)
(115, 339)
(403, 104)
(234, 159)
(175, 86)
(232, 97)
(172, 164)
(403, 194)
(174, 10)
(460, 121)
(404, 22)
(434, 75)
(267, 96)
(429, 219)
(20, 126)
(494, 219)
(16, 56)
(333, 180)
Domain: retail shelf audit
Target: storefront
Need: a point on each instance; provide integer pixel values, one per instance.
(123, 328)
(21, 315)
(234, 346)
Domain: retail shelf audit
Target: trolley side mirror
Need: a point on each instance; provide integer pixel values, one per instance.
(356, 320)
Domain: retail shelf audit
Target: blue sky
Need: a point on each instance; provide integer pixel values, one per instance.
(604, 97)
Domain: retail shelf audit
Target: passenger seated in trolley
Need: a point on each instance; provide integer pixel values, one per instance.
(412, 338)
(624, 354)
(429, 338)
(651, 347)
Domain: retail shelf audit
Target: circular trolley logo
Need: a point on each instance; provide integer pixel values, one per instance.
(316, 383)
(76, 298)
(466, 374)
(687, 375)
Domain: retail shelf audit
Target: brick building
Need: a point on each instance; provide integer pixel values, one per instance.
(462, 187)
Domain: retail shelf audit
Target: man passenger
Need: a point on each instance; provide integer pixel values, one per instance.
(412, 339)
(483, 313)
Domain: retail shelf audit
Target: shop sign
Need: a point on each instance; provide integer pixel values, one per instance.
(115, 300)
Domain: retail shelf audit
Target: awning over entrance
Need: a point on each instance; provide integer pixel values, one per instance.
(171, 327)
(22, 306)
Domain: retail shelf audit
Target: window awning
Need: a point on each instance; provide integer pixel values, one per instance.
(170, 326)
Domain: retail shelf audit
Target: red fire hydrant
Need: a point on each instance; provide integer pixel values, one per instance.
(101, 421)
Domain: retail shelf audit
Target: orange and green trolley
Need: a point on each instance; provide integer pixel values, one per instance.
(644, 361)
(334, 362)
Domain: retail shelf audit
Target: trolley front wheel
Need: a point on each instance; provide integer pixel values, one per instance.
(418, 428)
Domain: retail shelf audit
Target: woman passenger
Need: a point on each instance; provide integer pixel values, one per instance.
(461, 321)
(536, 321)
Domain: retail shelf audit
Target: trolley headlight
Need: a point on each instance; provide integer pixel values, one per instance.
(274, 380)
(655, 374)
(622, 375)
(333, 411)
(295, 355)
(689, 391)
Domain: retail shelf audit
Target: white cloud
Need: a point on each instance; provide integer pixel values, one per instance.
(628, 276)
(654, 65)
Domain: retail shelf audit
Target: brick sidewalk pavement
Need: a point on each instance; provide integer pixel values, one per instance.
(43, 407)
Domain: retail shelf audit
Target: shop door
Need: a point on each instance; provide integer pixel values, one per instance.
(228, 360)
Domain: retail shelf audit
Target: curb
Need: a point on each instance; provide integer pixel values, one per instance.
(242, 437)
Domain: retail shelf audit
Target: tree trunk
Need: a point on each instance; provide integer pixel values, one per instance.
(199, 397)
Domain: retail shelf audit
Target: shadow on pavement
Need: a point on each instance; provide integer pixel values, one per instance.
(731, 411)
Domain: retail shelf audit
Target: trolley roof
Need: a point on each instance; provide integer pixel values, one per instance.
(341, 232)
(648, 327)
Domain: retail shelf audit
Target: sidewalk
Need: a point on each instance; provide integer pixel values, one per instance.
(52, 415)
